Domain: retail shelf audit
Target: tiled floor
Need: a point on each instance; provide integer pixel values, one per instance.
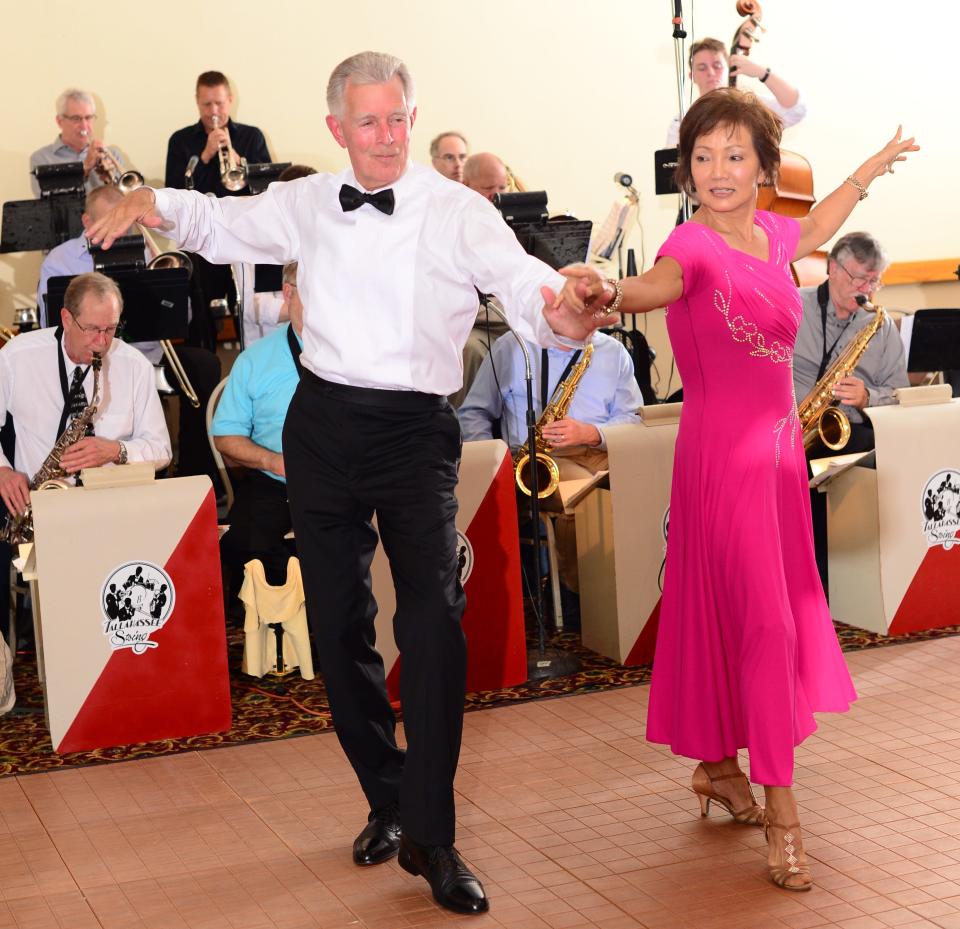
(569, 816)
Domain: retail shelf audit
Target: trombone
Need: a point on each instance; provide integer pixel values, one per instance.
(126, 183)
(233, 176)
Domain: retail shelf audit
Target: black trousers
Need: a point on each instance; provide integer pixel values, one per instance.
(202, 368)
(259, 519)
(351, 453)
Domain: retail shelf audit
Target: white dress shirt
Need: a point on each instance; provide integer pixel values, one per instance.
(129, 408)
(789, 115)
(388, 300)
(260, 311)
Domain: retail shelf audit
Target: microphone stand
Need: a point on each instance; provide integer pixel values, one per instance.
(679, 34)
(542, 663)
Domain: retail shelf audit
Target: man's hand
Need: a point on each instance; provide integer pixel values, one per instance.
(94, 150)
(215, 138)
(564, 433)
(89, 452)
(136, 207)
(14, 489)
(852, 391)
(275, 464)
(740, 64)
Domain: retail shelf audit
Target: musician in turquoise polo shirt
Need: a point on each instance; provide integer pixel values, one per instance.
(248, 430)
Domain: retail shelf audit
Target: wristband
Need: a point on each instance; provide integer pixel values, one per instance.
(855, 183)
(614, 304)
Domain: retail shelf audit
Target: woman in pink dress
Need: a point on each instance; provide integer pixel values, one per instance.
(746, 651)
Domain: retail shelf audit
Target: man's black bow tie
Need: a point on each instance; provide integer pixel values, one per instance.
(353, 199)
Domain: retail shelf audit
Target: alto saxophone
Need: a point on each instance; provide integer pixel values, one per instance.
(820, 418)
(19, 528)
(548, 473)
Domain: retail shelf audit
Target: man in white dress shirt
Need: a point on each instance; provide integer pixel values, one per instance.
(45, 378)
(391, 255)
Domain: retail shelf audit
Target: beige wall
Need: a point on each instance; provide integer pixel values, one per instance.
(566, 93)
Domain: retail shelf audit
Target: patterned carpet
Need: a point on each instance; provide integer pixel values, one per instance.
(267, 709)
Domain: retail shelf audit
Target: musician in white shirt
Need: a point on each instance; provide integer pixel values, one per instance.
(391, 255)
(129, 423)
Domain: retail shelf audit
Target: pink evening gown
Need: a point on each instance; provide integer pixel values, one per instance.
(746, 651)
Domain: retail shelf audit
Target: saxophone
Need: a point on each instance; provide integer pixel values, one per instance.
(548, 473)
(19, 528)
(820, 418)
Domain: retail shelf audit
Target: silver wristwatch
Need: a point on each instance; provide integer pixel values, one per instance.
(121, 455)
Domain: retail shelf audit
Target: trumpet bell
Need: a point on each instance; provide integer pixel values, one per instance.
(130, 181)
(173, 259)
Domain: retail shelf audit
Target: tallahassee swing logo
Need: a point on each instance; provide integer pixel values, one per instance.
(464, 557)
(136, 600)
(941, 509)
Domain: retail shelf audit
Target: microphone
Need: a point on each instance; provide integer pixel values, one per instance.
(623, 178)
(191, 167)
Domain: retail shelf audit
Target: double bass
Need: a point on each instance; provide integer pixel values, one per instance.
(792, 193)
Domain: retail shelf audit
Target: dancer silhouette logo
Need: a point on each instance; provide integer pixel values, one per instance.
(940, 503)
(464, 557)
(136, 600)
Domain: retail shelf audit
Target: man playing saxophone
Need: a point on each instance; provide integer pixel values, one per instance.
(831, 320)
(606, 395)
(45, 380)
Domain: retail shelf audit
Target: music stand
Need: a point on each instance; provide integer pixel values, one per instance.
(35, 225)
(267, 278)
(935, 341)
(154, 301)
(261, 176)
(664, 168)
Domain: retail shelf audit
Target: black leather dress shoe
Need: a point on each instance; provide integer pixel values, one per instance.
(380, 839)
(452, 882)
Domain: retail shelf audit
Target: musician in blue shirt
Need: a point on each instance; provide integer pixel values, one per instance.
(248, 429)
(607, 395)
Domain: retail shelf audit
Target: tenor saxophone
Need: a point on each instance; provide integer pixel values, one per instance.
(19, 528)
(820, 417)
(548, 473)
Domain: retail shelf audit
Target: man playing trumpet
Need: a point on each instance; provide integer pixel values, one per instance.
(76, 117)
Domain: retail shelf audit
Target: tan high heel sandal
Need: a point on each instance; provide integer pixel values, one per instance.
(791, 871)
(703, 787)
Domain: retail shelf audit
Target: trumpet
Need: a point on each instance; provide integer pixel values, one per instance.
(109, 172)
(233, 176)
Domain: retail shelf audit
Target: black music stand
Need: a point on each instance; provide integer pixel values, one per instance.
(267, 278)
(154, 301)
(35, 225)
(261, 176)
(664, 168)
(558, 243)
(935, 341)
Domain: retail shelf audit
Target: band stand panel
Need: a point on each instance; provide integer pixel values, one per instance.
(621, 539)
(893, 532)
(489, 564)
(146, 660)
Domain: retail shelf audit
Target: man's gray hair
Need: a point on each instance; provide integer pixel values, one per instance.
(435, 143)
(73, 93)
(92, 283)
(367, 68)
(861, 247)
(290, 272)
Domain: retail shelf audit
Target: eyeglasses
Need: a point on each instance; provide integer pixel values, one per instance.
(76, 120)
(873, 281)
(99, 330)
(450, 159)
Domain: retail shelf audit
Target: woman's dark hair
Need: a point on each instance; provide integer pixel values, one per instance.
(729, 107)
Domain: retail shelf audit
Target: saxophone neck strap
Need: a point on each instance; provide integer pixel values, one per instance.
(545, 375)
(823, 298)
(64, 384)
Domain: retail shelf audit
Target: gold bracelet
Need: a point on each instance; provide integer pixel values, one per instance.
(863, 190)
(614, 304)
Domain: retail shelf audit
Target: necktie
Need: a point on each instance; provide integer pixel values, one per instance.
(78, 399)
(353, 199)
